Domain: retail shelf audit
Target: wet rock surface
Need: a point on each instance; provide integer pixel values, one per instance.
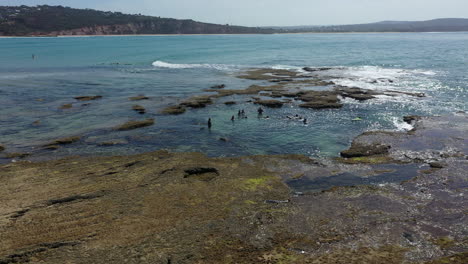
(174, 110)
(139, 109)
(138, 98)
(166, 207)
(136, 124)
(88, 98)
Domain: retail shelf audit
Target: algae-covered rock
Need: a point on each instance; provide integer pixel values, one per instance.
(197, 101)
(88, 98)
(174, 110)
(136, 124)
(361, 150)
(138, 98)
(64, 141)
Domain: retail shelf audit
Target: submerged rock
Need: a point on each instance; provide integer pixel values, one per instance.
(321, 105)
(174, 110)
(230, 103)
(220, 86)
(138, 98)
(136, 124)
(112, 143)
(66, 106)
(88, 98)
(197, 101)
(267, 74)
(64, 141)
(16, 155)
(139, 109)
(2, 148)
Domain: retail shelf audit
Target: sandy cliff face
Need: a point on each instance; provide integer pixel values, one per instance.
(151, 27)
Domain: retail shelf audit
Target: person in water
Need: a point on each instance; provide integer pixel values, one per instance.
(260, 111)
(232, 118)
(209, 122)
(305, 121)
(239, 113)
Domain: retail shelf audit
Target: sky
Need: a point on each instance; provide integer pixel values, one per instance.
(275, 12)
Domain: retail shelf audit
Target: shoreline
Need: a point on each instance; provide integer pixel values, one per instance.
(241, 34)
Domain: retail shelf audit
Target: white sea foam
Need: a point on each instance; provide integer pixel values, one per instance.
(400, 125)
(163, 64)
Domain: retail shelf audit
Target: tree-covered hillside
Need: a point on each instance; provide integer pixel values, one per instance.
(59, 20)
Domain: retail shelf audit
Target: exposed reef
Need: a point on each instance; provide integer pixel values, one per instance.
(406, 207)
(286, 84)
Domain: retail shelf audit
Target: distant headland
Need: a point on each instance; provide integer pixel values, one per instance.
(45, 20)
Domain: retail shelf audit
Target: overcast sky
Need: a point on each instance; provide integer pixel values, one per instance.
(275, 12)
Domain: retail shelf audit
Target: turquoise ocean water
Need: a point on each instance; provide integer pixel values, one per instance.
(171, 68)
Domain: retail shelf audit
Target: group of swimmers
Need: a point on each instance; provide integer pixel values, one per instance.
(241, 115)
(297, 117)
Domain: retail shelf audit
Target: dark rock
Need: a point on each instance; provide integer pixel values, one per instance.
(66, 106)
(174, 110)
(361, 150)
(223, 139)
(73, 198)
(437, 165)
(270, 103)
(138, 98)
(51, 147)
(230, 103)
(88, 98)
(360, 97)
(282, 80)
(220, 86)
(64, 141)
(136, 124)
(201, 173)
(139, 109)
(412, 118)
(310, 69)
(355, 93)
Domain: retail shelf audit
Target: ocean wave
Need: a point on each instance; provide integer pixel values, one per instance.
(163, 64)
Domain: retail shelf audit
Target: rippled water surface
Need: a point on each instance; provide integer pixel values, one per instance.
(169, 69)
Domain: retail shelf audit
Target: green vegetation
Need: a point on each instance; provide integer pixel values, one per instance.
(59, 20)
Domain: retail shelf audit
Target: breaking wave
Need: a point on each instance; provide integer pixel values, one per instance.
(163, 64)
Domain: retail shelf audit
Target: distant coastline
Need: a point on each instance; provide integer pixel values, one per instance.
(234, 34)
